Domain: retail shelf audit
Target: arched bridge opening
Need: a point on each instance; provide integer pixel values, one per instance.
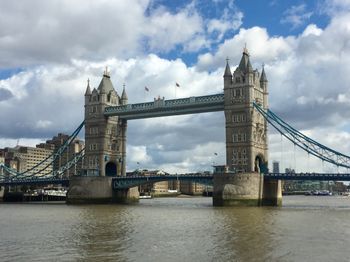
(111, 169)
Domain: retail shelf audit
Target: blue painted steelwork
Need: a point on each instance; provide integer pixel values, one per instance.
(132, 181)
(35, 181)
(13, 174)
(309, 176)
(161, 107)
(304, 142)
(51, 158)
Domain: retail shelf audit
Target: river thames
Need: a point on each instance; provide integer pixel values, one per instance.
(306, 228)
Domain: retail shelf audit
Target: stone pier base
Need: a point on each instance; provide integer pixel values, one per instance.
(272, 193)
(2, 191)
(95, 190)
(245, 189)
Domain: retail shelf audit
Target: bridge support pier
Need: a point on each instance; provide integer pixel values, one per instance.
(241, 189)
(97, 190)
(272, 193)
(2, 191)
(245, 189)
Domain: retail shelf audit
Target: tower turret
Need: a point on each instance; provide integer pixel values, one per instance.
(263, 79)
(124, 97)
(243, 64)
(263, 85)
(88, 92)
(227, 75)
(88, 89)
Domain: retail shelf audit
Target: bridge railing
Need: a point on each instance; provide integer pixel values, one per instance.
(172, 103)
(132, 181)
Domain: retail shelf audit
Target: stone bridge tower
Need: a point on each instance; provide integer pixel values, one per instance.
(105, 149)
(246, 140)
(246, 129)
(105, 137)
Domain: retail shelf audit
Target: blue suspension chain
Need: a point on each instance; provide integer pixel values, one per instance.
(309, 145)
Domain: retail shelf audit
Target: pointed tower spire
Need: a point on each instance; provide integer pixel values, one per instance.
(105, 85)
(263, 75)
(227, 69)
(243, 64)
(124, 97)
(88, 89)
(249, 66)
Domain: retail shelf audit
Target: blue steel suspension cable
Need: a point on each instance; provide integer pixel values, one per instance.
(68, 165)
(54, 155)
(312, 145)
(302, 144)
(303, 141)
(308, 138)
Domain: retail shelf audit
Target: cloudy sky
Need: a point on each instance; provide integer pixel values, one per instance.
(48, 50)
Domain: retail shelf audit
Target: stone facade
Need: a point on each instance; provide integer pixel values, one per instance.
(191, 188)
(105, 137)
(246, 141)
(246, 129)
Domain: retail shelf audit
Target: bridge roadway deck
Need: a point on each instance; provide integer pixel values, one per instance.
(161, 107)
(127, 182)
(131, 181)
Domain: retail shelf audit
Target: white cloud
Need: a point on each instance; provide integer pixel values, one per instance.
(138, 154)
(312, 30)
(58, 31)
(262, 47)
(43, 123)
(165, 30)
(296, 15)
(335, 7)
(10, 142)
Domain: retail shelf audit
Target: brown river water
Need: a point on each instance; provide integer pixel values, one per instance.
(306, 228)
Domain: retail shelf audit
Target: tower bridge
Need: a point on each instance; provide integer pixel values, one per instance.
(244, 180)
(107, 113)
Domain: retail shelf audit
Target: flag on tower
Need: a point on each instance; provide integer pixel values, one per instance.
(177, 84)
(146, 88)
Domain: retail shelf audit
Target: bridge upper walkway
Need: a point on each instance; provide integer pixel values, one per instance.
(161, 107)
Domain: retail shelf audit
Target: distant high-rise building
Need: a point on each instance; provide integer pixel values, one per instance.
(289, 170)
(23, 158)
(74, 148)
(275, 167)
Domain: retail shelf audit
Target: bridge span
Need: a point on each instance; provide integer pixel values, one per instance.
(161, 107)
(203, 178)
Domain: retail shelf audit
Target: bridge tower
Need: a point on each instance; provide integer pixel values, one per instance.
(105, 148)
(105, 137)
(246, 138)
